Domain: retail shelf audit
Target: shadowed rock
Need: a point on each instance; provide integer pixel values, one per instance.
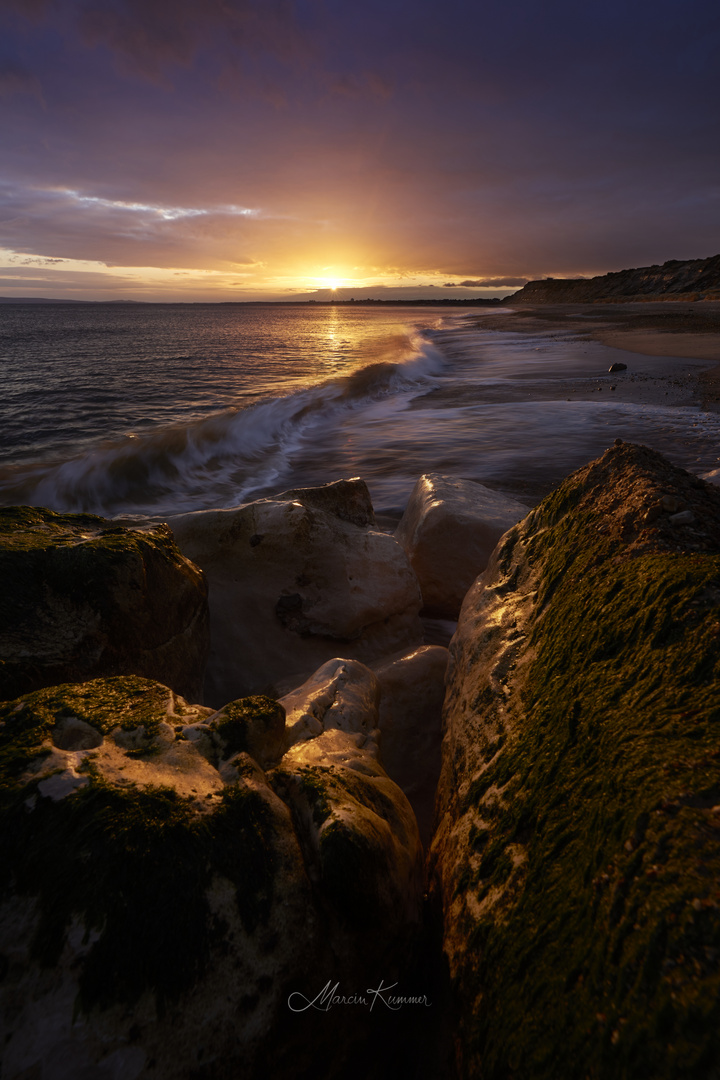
(412, 688)
(83, 597)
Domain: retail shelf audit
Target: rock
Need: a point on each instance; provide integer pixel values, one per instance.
(292, 577)
(162, 899)
(685, 517)
(252, 725)
(348, 500)
(83, 597)
(342, 695)
(412, 688)
(449, 530)
(617, 367)
(361, 842)
(577, 852)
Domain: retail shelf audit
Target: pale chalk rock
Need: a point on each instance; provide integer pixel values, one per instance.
(449, 530)
(342, 694)
(289, 578)
(361, 840)
(412, 688)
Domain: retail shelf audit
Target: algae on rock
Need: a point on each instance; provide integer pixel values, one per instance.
(83, 597)
(158, 897)
(578, 845)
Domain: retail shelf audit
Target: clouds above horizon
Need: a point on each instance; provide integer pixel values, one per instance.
(479, 144)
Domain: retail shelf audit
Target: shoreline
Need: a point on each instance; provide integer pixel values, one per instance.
(664, 331)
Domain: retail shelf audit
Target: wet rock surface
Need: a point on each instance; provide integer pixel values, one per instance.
(577, 851)
(449, 530)
(83, 597)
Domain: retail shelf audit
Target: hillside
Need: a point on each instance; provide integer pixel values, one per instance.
(692, 279)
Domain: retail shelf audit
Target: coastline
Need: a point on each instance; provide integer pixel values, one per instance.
(671, 330)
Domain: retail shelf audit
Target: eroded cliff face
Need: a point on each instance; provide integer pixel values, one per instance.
(691, 279)
(577, 854)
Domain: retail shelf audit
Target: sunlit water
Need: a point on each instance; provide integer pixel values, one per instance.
(157, 409)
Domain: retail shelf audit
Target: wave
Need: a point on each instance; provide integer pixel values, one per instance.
(219, 460)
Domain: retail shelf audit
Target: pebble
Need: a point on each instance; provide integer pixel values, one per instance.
(618, 367)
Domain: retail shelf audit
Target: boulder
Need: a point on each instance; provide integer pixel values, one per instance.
(449, 530)
(342, 694)
(170, 910)
(292, 577)
(362, 849)
(577, 851)
(83, 597)
(412, 689)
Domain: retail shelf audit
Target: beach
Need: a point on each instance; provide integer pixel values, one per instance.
(674, 329)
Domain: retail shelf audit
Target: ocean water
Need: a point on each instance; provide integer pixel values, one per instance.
(157, 409)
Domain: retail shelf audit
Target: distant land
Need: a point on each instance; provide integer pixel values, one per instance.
(687, 280)
(60, 300)
(693, 279)
(471, 302)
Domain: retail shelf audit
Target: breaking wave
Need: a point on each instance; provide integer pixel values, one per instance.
(219, 460)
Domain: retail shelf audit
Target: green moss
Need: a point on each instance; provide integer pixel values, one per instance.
(83, 597)
(124, 701)
(133, 865)
(241, 834)
(314, 786)
(247, 719)
(26, 528)
(605, 962)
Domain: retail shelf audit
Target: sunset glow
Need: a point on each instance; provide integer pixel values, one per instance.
(238, 150)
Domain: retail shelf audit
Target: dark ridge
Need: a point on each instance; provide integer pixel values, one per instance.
(691, 279)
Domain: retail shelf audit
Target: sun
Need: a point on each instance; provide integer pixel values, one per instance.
(331, 283)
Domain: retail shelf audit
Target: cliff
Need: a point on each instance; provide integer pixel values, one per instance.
(691, 279)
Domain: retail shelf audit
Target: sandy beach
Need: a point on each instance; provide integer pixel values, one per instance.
(664, 334)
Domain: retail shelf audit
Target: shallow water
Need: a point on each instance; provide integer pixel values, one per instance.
(157, 409)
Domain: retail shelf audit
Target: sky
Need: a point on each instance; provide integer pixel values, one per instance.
(280, 149)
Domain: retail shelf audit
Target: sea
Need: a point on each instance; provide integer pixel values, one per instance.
(151, 410)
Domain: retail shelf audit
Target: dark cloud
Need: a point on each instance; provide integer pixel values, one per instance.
(14, 79)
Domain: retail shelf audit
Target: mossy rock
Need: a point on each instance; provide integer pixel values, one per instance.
(578, 854)
(254, 725)
(83, 597)
(132, 862)
(164, 926)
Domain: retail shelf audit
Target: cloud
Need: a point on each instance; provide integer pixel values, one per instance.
(488, 283)
(61, 223)
(15, 79)
(498, 143)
